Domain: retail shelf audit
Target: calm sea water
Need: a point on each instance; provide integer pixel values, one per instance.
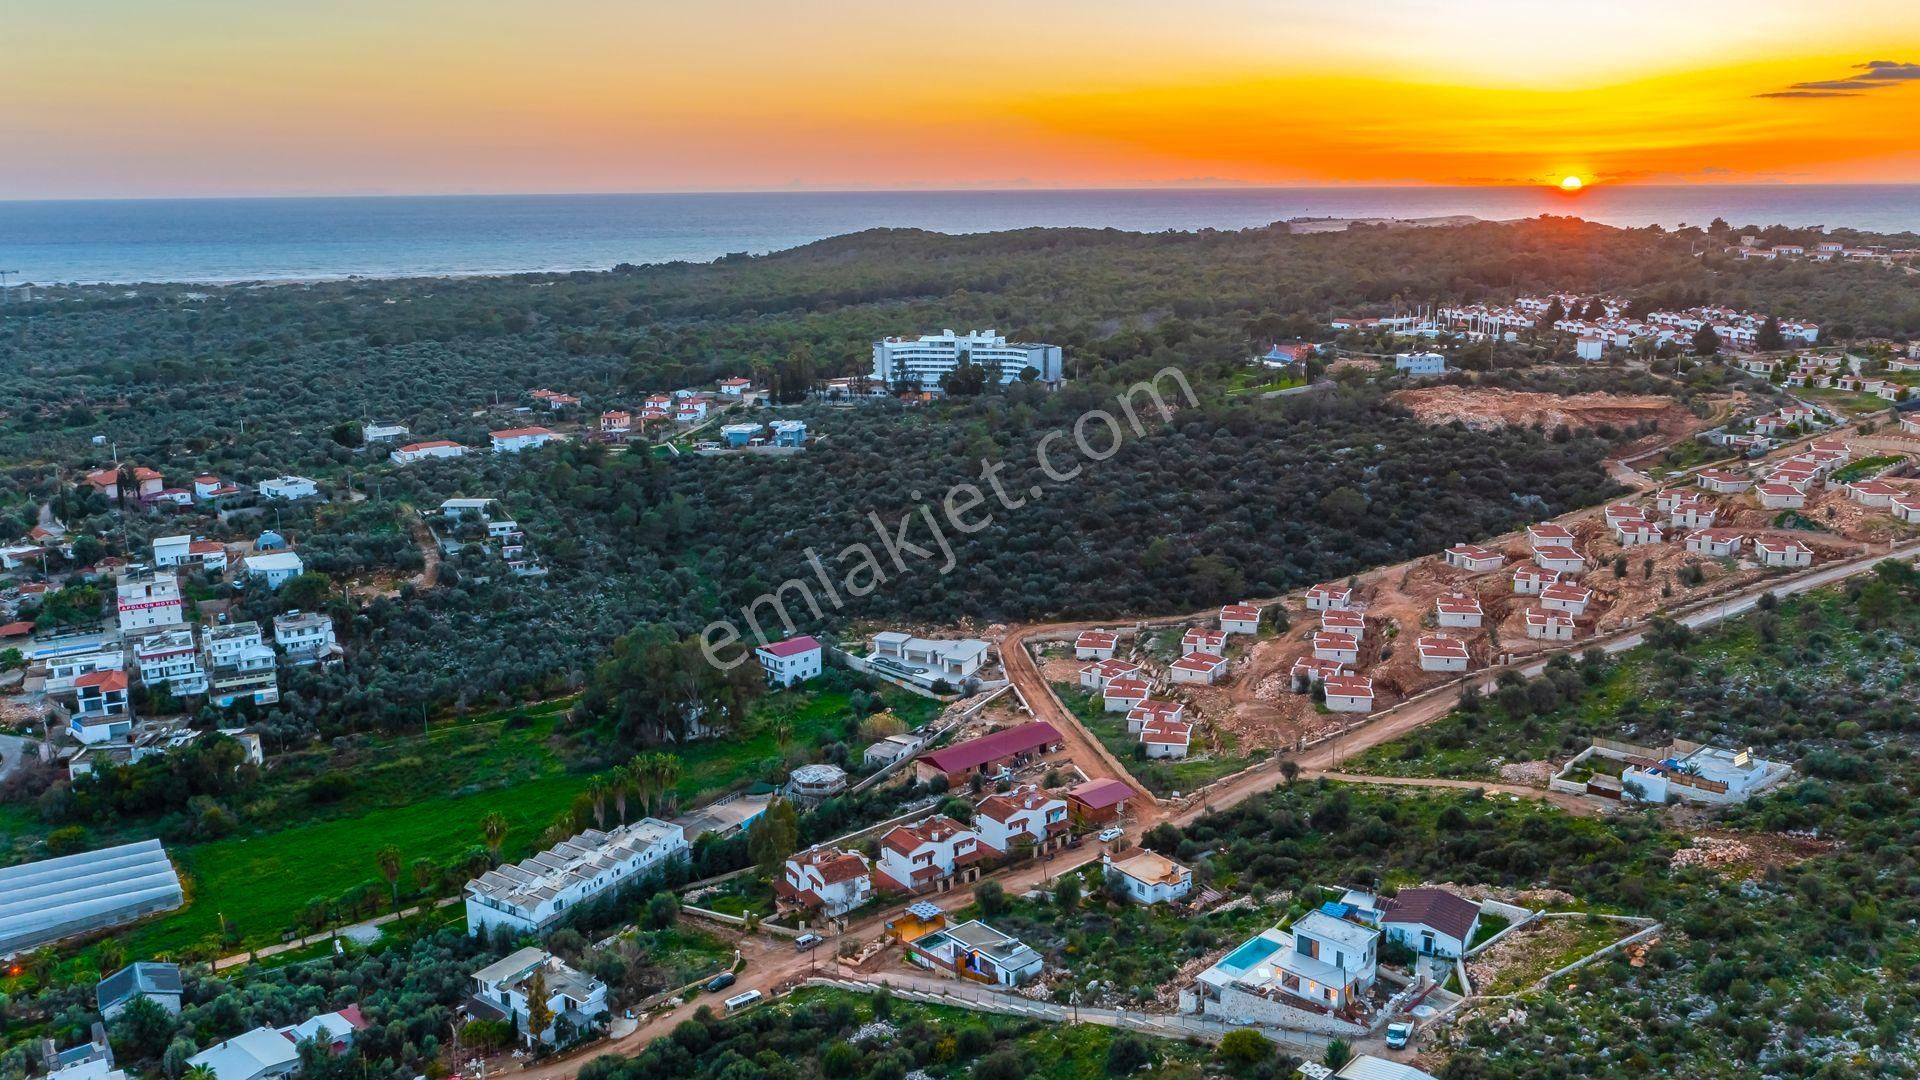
(211, 240)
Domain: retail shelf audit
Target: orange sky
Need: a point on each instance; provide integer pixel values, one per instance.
(198, 97)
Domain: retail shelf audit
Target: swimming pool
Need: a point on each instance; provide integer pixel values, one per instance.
(1247, 955)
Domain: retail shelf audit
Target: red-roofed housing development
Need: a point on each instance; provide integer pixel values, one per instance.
(1095, 645)
(1124, 693)
(1240, 619)
(1692, 514)
(1166, 738)
(1311, 669)
(1529, 579)
(1566, 596)
(1458, 610)
(1636, 532)
(1719, 543)
(1153, 709)
(1205, 640)
(1724, 481)
(1441, 653)
(1097, 675)
(1198, 667)
(1344, 621)
(1547, 624)
(825, 879)
(1872, 493)
(1620, 512)
(1474, 558)
(1322, 597)
(1349, 693)
(987, 754)
(1664, 501)
(1775, 552)
(1779, 495)
(1549, 534)
(1339, 648)
(1906, 507)
(1563, 560)
(1097, 802)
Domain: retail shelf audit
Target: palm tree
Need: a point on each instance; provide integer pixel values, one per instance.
(597, 792)
(782, 728)
(667, 775)
(388, 858)
(199, 1072)
(621, 784)
(494, 828)
(424, 873)
(644, 784)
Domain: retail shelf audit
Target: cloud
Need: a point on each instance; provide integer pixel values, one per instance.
(1872, 75)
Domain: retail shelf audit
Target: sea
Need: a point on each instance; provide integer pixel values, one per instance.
(296, 239)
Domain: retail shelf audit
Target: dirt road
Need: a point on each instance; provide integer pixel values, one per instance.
(1031, 686)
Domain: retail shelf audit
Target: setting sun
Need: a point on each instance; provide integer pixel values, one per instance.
(1571, 183)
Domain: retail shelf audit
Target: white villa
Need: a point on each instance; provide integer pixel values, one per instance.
(1148, 878)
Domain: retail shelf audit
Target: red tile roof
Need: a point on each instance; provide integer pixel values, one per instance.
(1450, 648)
(793, 646)
(107, 681)
(1004, 743)
(1437, 908)
(1358, 686)
(1101, 794)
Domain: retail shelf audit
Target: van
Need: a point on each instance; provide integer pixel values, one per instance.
(806, 941)
(741, 1001)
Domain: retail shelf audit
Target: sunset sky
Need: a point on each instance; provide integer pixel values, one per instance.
(196, 97)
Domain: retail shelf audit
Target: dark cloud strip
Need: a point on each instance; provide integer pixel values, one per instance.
(1873, 75)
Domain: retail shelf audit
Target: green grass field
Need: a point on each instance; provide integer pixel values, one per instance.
(426, 794)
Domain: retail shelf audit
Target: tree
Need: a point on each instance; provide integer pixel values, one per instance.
(1769, 338)
(199, 1072)
(388, 858)
(1066, 893)
(1337, 1055)
(620, 783)
(425, 872)
(597, 794)
(992, 898)
(662, 910)
(308, 591)
(1706, 341)
(1244, 1048)
(539, 1015)
(773, 836)
(494, 828)
(1127, 1053)
(1555, 312)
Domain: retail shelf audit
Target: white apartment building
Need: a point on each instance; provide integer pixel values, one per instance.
(240, 664)
(924, 361)
(274, 568)
(532, 895)
(306, 637)
(147, 600)
(1420, 363)
(170, 658)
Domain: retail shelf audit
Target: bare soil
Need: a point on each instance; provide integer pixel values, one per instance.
(1488, 408)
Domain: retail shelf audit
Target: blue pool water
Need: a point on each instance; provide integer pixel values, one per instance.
(1250, 954)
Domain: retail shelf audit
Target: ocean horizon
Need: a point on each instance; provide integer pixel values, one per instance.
(226, 240)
